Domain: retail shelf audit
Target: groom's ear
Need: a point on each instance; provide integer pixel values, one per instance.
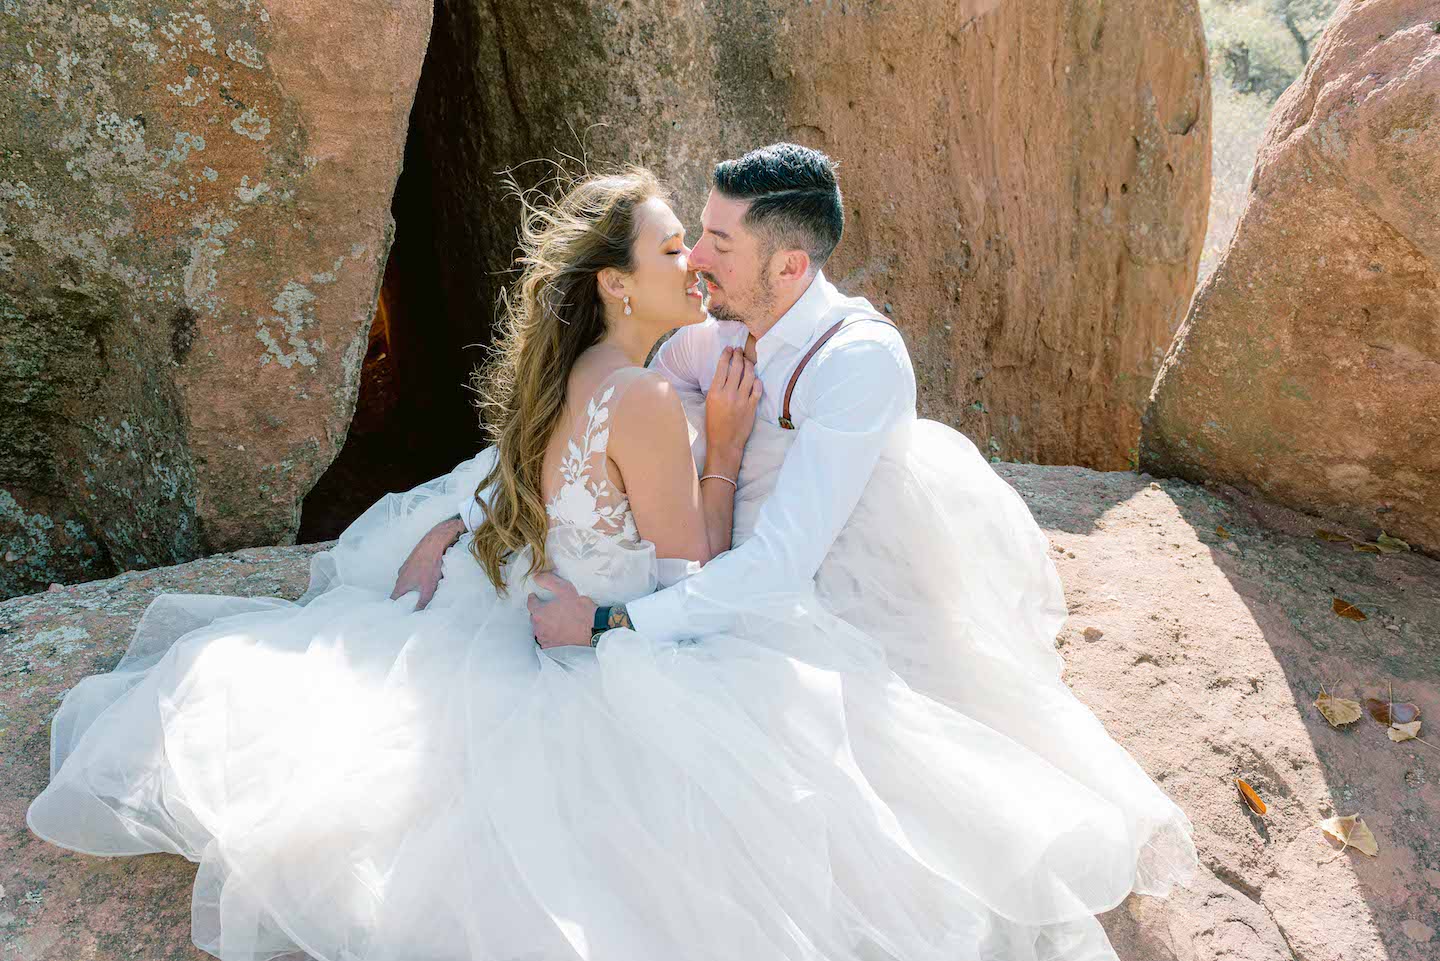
(794, 264)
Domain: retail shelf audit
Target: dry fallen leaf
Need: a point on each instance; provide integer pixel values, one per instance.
(1338, 710)
(1325, 535)
(1404, 732)
(1346, 610)
(1365, 546)
(1251, 798)
(1352, 832)
(1389, 712)
(1390, 545)
(1220, 529)
(1402, 721)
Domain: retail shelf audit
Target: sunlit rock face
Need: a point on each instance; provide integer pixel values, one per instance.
(1025, 183)
(194, 217)
(196, 209)
(1308, 368)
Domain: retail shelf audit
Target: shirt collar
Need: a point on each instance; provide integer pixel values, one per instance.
(797, 325)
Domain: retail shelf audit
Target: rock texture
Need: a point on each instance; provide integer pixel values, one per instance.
(1026, 189)
(1201, 652)
(59, 906)
(1308, 368)
(193, 222)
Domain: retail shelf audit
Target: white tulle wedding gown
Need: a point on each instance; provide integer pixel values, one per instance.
(887, 768)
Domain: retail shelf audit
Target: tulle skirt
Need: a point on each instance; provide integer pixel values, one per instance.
(899, 778)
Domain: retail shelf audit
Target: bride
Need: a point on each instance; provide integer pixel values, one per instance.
(887, 767)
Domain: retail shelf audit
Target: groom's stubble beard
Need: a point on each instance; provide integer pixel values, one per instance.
(757, 311)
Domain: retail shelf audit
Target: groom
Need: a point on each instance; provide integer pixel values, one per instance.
(772, 220)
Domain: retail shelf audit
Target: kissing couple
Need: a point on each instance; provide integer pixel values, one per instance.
(730, 657)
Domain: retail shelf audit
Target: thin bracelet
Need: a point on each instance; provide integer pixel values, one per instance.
(722, 477)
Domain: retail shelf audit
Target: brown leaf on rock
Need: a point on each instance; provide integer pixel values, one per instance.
(1365, 546)
(1389, 712)
(1220, 529)
(1251, 798)
(1338, 710)
(1352, 832)
(1325, 535)
(1346, 610)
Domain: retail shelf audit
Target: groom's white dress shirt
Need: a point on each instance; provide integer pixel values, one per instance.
(853, 393)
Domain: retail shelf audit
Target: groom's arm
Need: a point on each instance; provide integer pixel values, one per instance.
(854, 395)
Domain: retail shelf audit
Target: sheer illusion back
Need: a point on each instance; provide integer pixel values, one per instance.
(583, 494)
(593, 541)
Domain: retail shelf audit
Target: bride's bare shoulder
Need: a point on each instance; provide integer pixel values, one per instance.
(646, 409)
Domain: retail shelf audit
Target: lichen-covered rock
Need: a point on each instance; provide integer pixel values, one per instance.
(1203, 661)
(1308, 369)
(56, 905)
(194, 217)
(1026, 189)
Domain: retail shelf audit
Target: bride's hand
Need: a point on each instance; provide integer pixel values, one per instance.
(730, 411)
(421, 570)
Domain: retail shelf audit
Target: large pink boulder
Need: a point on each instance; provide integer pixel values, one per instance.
(194, 217)
(1308, 369)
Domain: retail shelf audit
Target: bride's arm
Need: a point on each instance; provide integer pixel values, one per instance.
(650, 445)
(729, 417)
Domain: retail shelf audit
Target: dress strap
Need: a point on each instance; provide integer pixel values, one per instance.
(785, 420)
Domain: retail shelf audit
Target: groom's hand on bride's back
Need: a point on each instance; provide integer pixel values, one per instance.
(567, 618)
(421, 570)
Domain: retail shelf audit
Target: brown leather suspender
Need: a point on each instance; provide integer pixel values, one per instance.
(785, 420)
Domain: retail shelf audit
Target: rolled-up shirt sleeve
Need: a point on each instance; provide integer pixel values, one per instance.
(851, 397)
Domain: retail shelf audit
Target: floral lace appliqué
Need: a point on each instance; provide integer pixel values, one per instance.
(586, 498)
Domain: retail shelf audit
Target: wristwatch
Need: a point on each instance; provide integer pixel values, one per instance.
(607, 619)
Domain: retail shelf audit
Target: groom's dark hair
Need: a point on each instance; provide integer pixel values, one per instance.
(794, 197)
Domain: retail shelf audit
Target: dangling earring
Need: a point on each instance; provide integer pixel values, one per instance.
(628, 311)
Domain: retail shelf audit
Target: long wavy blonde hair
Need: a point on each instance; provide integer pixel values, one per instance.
(549, 317)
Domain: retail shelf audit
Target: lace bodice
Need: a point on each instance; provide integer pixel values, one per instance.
(593, 541)
(586, 497)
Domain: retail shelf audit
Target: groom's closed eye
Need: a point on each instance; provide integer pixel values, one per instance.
(719, 237)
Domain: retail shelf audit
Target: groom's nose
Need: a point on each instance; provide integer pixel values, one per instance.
(700, 255)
